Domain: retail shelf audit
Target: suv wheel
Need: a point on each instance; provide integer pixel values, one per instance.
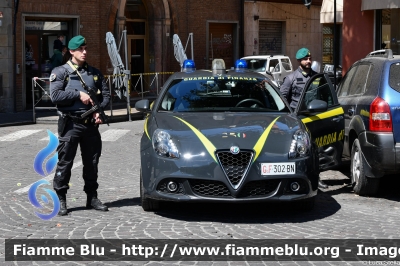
(363, 185)
(147, 204)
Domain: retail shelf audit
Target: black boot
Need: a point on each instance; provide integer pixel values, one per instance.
(63, 204)
(93, 202)
(321, 184)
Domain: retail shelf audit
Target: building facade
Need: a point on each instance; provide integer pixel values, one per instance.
(228, 29)
(149, 26)
(369, 25)
(6, 56)
(282, 27)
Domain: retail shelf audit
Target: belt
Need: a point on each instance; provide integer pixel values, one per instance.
(77, 119)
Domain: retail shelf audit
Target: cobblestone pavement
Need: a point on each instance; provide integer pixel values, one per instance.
(338, 214)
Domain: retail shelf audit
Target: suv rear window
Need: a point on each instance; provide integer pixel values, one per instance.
(355, 81)
(394, 76)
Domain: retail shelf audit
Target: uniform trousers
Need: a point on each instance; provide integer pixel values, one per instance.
(88, 137)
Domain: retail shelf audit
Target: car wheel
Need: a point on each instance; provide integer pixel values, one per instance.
(147, 204)
(363, 185)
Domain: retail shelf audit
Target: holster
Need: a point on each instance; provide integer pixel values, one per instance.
(62, 122)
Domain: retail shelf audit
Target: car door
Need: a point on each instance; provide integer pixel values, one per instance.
(327, 126)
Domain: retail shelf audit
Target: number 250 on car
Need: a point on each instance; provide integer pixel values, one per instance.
(278, 168)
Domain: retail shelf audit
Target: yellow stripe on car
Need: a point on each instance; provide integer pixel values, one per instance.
(331, 113)
(207, 144)
(261, 141)
(145, 127)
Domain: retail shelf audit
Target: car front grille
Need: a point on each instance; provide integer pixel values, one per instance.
(209, 188)
(235, 166)
(259, 188)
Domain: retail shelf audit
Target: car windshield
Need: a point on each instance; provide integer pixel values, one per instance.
(222, 94)
(256, 65)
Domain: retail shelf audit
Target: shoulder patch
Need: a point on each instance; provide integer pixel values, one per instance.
(95, 78)
(52, 77)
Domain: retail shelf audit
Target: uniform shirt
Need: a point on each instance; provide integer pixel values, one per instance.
(59, 80)
(293, 85)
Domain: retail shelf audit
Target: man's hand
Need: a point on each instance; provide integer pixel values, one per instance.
(97, 119)
(85, 98)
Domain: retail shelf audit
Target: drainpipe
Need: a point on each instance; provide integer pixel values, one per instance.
(16, 2)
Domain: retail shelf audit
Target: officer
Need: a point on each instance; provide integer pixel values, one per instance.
(293, 84)
(68, 92)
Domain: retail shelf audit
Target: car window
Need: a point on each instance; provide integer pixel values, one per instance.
(274, 65)
(359, 82)
(222, 94)
(318, 90)
(394, 76)
(345, 85)
(257, 65)
(286, 64)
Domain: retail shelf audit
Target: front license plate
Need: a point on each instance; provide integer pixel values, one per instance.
(278, 168)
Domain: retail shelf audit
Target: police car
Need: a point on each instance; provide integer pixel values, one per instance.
(230, 136)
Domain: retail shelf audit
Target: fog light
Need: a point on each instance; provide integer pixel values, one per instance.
(172, 186)
(294, 186)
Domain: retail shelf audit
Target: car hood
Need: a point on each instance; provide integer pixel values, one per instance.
(270, 132)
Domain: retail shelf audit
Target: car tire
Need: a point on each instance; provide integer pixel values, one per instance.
(363, 185)
(147, 204)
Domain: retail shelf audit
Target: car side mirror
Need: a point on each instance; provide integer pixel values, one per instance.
(143, 105)
(317, 106)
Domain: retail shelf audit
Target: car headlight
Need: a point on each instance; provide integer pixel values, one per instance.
(163, 145)
(300, 145)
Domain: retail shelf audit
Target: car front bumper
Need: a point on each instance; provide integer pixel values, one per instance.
(206, 181)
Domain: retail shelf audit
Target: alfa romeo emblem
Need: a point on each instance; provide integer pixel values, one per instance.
(235, 150)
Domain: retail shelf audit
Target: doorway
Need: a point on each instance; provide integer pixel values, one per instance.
(38, 52)
(136, 55)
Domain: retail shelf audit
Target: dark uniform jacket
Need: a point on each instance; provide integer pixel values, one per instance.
(293, 85)
(65, 87)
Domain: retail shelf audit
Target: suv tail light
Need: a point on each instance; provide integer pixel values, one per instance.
(379, 116)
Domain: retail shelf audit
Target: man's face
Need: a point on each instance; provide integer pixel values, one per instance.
(305, 62)
(79, 54)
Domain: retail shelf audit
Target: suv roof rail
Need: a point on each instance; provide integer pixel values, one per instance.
(386, 53)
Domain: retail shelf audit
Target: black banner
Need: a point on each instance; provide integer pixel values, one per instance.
(203, 250)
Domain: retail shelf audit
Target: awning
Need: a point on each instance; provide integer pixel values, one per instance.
(327, 11)
(381, 4)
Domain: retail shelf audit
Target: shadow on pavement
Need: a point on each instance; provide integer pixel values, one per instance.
(123, 203)
(388, 187)
(269, 212)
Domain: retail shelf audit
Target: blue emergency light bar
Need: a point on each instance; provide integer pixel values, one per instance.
(188, 66)
(240, 64)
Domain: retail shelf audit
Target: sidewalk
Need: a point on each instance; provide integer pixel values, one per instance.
(118, 113)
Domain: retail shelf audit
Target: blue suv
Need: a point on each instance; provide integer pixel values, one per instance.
(370, 96)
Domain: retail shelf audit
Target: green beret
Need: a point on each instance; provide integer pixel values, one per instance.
(303, 52)
(76, 42)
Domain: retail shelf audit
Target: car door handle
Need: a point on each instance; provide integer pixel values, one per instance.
(337, 119)
(350, 112)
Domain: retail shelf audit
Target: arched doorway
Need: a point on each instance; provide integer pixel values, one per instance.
(147, 27)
